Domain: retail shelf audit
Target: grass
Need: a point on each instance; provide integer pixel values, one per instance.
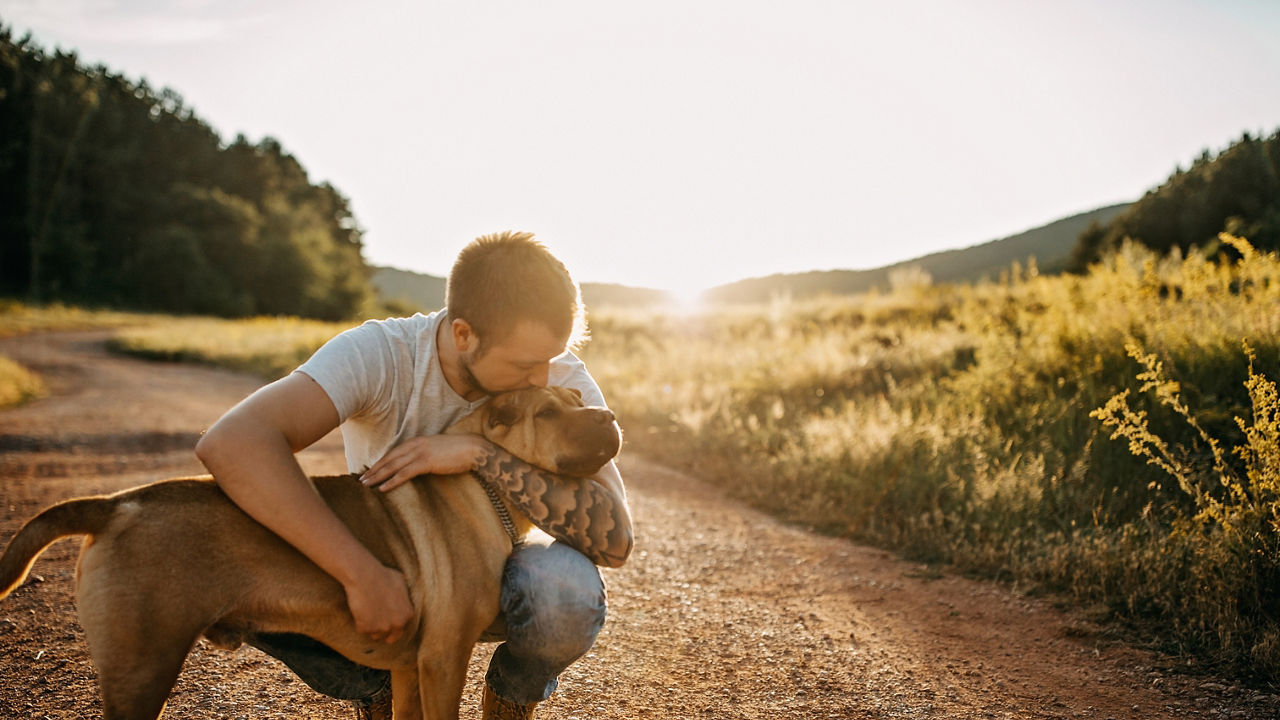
(269, 347)
(19, 318)
(957, 425)
(17, 384)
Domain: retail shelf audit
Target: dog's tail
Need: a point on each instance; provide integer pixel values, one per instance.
(81, 516)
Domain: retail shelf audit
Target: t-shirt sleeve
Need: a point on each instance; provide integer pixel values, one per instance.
(568, 371)
(353, 368)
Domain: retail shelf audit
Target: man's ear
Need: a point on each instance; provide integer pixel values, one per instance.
(503, 415)
(464, 336)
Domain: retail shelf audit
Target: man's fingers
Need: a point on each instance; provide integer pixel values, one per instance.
(397, 480)
(437, 454)
(387, 468)
(392, 464)
(382, 468)
(388, 637)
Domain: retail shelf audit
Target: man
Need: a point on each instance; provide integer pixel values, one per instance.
(512, 310)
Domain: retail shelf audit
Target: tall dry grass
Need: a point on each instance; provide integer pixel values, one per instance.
(18, 384)
(269, 347)
(20, 318)
(954, 424)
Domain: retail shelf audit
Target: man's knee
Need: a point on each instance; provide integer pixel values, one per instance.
(553, 600)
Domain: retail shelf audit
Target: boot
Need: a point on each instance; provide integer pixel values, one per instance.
(376, 708)
(496, 708)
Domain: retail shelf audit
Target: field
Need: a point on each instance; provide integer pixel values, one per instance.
(1110, 438)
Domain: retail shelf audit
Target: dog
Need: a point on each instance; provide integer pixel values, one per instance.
(168, 562)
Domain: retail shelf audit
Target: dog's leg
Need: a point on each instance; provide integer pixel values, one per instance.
(406, 701)
(442, 675)
(138, 639)
(136, 670)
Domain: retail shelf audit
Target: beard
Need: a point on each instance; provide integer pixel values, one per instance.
(468, 376)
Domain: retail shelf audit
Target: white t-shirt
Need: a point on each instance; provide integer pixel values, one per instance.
(385, 379)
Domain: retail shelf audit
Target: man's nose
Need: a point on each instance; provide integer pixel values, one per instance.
(540, 376)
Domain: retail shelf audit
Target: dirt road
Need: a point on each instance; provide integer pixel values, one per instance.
(722, 612)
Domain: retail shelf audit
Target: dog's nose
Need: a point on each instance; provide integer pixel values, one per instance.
(604, 417)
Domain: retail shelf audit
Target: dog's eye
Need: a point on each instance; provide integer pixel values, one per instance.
(546, 412)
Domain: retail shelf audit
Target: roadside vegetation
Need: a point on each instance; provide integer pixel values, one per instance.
(269, 347)
(1110, 436)
(17, 384)
(20, 318)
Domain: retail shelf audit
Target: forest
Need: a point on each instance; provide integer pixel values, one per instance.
(115, 194)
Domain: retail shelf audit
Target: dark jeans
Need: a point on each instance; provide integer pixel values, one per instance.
(553, 606)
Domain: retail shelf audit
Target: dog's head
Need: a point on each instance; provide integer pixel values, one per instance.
(551, 428)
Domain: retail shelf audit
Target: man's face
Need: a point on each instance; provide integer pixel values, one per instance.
(522, 359)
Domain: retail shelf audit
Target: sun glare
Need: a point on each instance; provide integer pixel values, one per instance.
(686, 299)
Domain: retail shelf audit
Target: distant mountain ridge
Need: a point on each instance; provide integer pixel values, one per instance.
(1051, 245)
(411, 290)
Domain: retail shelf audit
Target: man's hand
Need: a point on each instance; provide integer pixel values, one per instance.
(380, 605)
(432, 454)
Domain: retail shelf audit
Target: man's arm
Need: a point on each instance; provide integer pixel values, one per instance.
(590, 514)
(250, 452)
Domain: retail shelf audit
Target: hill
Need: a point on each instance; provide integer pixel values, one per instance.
(1051, 245)
(1236, 190)
(407, 290)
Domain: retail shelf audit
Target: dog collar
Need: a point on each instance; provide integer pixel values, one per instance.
(503, 515)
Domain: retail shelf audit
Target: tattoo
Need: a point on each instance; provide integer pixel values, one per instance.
(577, 511)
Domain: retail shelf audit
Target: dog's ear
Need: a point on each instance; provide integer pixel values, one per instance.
(576, 392)
(505, 415)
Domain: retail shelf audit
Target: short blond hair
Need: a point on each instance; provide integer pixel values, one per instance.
(500, 279)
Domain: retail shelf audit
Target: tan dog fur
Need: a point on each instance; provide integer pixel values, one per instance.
(167, 562)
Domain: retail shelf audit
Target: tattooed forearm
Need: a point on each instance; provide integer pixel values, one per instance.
(577, 511)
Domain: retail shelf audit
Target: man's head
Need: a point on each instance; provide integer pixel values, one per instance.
(512, 307)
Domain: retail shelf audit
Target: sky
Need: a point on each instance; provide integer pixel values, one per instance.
(689, 143)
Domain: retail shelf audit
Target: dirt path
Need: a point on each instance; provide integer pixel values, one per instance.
(721, 613)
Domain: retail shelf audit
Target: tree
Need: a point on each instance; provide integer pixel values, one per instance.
(1238, 191)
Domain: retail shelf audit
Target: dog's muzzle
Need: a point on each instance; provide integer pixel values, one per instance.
(596, 440)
